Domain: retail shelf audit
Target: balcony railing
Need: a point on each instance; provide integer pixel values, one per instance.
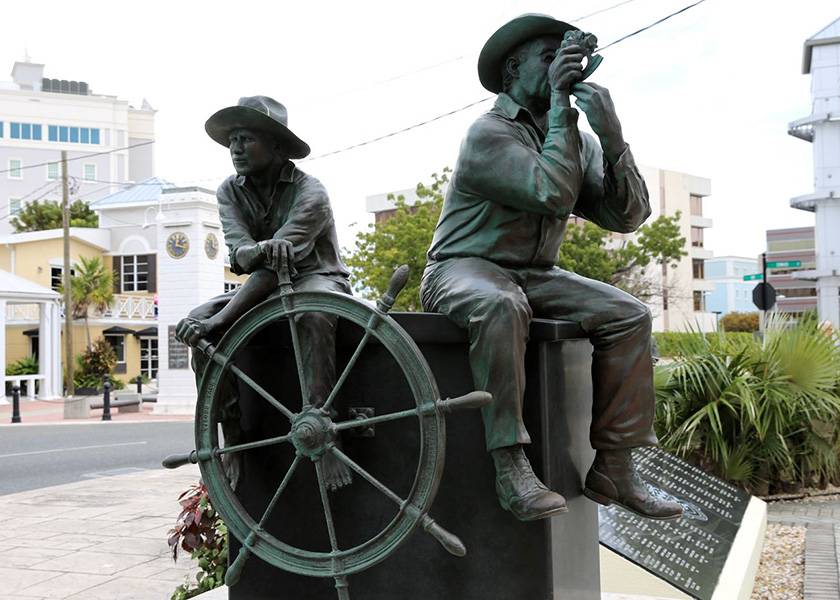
(122, 307)
(131, 307)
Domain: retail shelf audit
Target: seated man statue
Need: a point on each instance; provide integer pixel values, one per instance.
(273, 215)
(523, 169)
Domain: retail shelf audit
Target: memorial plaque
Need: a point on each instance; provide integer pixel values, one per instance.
(689, 553)
(179, 355)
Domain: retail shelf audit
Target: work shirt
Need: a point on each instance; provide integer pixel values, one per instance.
(515, 186)
(298, 211)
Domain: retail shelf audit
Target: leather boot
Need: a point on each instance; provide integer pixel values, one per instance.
(519, 490)
(613, 479)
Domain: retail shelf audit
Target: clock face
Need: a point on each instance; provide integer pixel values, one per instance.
(211, 246)
(177, 245)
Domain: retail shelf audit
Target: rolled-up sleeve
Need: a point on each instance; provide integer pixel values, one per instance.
(308, 218)
(497, 165)
(614, 197)
(234, 225)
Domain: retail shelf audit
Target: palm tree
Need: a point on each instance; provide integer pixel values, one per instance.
(91, 287)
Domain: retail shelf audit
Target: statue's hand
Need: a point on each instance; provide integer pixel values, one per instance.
(279, 254)
(597, 105)
(567, 68)
(189, 331)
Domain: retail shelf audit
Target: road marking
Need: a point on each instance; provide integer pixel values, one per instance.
(71, 449)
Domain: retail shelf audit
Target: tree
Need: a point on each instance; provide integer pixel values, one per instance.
(588, 250)
(92, 287)
(400, 239)
(39, 216)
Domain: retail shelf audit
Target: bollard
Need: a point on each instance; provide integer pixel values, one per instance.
(15, 403)
(139, 385)
(106, 400)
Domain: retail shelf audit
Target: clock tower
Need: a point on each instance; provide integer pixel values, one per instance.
(190, 272)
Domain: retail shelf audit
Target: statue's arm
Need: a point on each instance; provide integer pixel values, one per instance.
(614, 195)
(309, 216)
(495, 165)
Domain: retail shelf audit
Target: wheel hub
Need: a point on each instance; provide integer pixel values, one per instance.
(311, 432)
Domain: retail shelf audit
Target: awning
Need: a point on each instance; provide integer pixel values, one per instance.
(148, 332)
(31, 332)
(117, 330)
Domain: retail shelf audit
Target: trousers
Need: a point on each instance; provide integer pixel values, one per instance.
(495, 304)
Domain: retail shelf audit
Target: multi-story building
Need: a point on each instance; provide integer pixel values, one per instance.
(108, 142)
(796, 290)
(731, 293)
(135, 225)
(682, 303)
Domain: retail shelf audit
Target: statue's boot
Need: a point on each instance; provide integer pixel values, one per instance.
(613, 479)
(520, 491)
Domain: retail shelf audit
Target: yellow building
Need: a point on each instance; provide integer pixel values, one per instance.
(126, 242)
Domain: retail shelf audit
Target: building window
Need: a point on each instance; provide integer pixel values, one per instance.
(14, 206)
(696, 205)
(52, 171)
(149, 357)
(56, 277)
(15, 168)
(89, 172)
(74, 135)
(135, 273)
(1, 129)
(231, 285)
(697, 237)
(697, 267)
(24, 131)
(117, 342)
(34, 348)
(699, 301)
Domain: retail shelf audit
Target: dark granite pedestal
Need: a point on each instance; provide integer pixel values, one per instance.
(506, 559)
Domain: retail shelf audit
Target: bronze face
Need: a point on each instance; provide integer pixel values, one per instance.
(251, 151)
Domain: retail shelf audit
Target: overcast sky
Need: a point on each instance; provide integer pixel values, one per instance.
(709, 92)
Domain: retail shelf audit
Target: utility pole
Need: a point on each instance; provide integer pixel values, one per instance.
(68, 309)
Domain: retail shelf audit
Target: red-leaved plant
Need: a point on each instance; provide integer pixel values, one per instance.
(201, 532)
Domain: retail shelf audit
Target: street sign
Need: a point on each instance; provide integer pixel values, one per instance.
(784, 264)
(764, 296)
(754, 277)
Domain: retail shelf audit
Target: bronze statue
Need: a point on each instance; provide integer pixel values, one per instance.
(523, 169)
(274, 216)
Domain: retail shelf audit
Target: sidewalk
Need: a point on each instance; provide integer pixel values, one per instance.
(40, 411)
(101, 539)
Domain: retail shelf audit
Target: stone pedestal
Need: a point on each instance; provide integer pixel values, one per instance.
(506, 559)
(77, 407)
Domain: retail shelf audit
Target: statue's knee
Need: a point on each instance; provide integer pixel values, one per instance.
(507, 308)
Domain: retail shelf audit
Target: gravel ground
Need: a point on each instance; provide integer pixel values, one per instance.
(781, 573)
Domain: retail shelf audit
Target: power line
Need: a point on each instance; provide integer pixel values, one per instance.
(655, 23)
(81, 156)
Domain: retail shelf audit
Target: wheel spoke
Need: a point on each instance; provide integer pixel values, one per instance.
(280, 489)
(325, 501)
(304, 387)
(370, 478)
(374, 319)
(249, 445)
(367, 421)
(261, 391)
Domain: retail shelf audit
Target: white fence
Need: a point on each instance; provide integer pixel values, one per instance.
(123, 307)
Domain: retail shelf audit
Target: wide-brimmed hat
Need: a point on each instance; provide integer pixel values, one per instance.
(509, 36)
(256, 112)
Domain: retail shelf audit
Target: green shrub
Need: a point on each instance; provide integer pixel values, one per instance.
(682, 343)
(24, 366)
(762, 414)
(737, 321)
(94, 364)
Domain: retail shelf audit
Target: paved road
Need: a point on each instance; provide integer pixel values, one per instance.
(36, 456)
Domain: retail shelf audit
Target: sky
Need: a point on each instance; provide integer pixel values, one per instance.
(709, 92)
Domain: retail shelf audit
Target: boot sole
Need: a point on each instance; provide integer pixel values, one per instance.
(605, 501)
(545, 515)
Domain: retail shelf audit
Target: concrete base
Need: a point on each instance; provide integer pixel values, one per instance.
(506, 559)
(130, 396)
(77, 407)
(620, 576)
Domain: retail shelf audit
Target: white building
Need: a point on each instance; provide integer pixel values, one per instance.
(821, 59)
(40, 117)
(683, 304)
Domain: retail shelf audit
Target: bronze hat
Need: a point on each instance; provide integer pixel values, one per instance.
(510, 35)
(256, 112)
